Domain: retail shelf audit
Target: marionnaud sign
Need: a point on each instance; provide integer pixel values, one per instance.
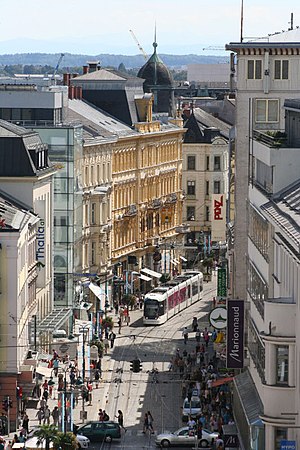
(235, 334)
(218, 318)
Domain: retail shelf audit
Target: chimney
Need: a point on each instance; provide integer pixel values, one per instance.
(79, 92)
(93, 66)
(66, 79)
(71, 92)
(85, 70)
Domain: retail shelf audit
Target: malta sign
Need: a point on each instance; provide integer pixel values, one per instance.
(218, 220)
(235, 334)
(218, 318)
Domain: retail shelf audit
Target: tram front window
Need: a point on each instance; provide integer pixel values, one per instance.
(151, 309)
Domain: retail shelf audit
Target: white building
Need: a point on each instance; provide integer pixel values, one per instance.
(205, 174)
(267, 236)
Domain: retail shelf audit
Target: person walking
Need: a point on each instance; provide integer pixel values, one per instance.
(55, 366)
(206, 336)
(185, 335)
(106, 345)
(120, 324)
(55, 415)
(146, 423)
(47, 414)
(120, 418)
(150, 422)
(25, 423)
(127, 319)
(40, 415)
(112, 338)
(100, 415)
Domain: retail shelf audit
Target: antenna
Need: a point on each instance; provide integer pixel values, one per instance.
(242, 19)
(292, 22)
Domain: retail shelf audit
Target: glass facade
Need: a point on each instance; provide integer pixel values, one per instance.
(65, 151)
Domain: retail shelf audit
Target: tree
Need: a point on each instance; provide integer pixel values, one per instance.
(65, 441)
(122, 68)
(47, 434)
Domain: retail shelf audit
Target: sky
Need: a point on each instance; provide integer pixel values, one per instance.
(102, 26)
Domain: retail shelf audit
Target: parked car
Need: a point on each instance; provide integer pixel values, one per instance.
(99, 431)
(191, 408)
(183, 438)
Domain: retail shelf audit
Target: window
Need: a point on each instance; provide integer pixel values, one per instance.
(191, 162)
(281, 69)
(267, 110)
(254, 69)
(92, 175)
(190, 212)
(256, 350)
(257, 288)
(93, 213)
(217, 163)
(258, 231)
(280, 435)
(191, 188)
(207, 188)
(207, 163)
(93, 255)
(217, 187)
(207, 213)
(282, 362)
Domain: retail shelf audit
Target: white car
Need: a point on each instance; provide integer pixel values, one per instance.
(184, 438)
(191, 408)
(83, 441)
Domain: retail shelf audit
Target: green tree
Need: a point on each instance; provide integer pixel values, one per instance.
(47, 434)
(65, 441)
(122, 68)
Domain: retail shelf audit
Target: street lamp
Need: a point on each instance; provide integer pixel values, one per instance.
(83, 329)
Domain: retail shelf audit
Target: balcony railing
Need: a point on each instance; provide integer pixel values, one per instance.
(273, 139)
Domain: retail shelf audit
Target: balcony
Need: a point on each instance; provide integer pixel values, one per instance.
(155, 204)
(172, 198)
(130, 211)
(271, 138)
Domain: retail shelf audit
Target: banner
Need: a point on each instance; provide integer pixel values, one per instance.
(222, 282)
(218, 219)
(235, 334)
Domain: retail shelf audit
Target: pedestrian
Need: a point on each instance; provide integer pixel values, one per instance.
(150, 422)
(40, 415)
(194, 324)
(100, 415)
(198, 335)
(97, 378)
(25, 423)
(127, 319)
(90, 390)
(105, 416)
(55, 366)
(185, 335)
(55, 415)
(15, 440)
(120, 324)
(47, 414)
(106, 345)
(46, 395)
(112, 338)
(8, 446)
(219, 443)
(206, 336)
(120, 418)
(146, 423)
(43, 403)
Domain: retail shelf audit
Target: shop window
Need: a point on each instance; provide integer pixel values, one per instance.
(254, 71)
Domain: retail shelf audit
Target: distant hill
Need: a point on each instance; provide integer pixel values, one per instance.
(106, 60)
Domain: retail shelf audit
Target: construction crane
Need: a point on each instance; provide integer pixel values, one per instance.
(57, 66)
(138, 44)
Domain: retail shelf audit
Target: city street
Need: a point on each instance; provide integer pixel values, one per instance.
(136, 393)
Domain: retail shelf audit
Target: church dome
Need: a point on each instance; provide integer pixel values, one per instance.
(154, 72)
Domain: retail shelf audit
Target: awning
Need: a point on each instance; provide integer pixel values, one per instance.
(96, 290)
(248, 397)
(152, 273)
(143, 277)
(44, 371)
(182, 258)
(54, 320)
(221, 381)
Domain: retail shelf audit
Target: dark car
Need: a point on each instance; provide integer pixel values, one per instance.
(100, 431)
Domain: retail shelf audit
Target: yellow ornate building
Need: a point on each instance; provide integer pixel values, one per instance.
(147, 190)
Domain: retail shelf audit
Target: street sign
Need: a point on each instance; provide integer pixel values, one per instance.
(231, 441)
(218, 318)
(288, 445)
(64, 348)
(222, 282)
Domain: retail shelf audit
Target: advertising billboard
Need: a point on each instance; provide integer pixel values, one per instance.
(235, 334)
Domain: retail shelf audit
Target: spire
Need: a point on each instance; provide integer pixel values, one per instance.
(155, 43)
(155, 59)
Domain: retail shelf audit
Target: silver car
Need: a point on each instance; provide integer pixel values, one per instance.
(183, 438)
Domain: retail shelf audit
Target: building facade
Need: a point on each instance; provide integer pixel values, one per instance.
(267, 232)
